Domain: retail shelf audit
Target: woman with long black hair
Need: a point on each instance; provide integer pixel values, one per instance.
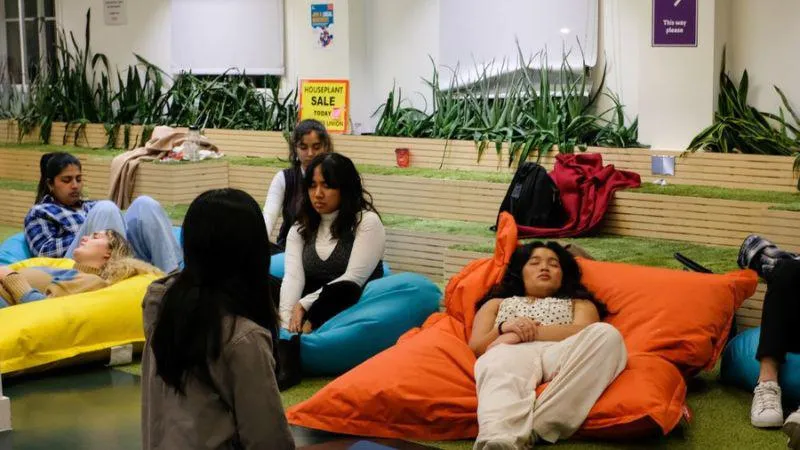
(61, 217)
(285, 193)
(335, 247)
(208, 370)
(540, 325)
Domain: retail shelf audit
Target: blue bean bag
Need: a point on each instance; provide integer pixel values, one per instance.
(388, 308)
(14, 249)
(276, 266)
(740, 367)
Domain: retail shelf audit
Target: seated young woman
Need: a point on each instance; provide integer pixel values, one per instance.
(285, 194)
(101, 259)
(208, 370)
(335, 247)
(778, 336)
(540, 325)
(60, 217)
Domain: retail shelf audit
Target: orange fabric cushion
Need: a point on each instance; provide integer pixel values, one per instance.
(681, 316)
(424, 387)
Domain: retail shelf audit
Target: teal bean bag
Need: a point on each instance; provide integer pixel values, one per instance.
(276, 266)
(740, 367)
(388, 307)
(14, 249)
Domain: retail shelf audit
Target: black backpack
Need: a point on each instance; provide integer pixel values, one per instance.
(533, 198)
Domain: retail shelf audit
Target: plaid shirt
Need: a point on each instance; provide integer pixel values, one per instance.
(50, 227)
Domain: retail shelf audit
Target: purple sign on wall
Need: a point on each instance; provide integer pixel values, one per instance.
(674, 23)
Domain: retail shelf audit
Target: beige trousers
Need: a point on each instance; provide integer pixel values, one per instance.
(578, 368)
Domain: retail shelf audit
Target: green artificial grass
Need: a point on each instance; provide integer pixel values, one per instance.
(446, 174)
(176, 213)
(646, 252)
(439, 226)
(721, 419)
(17, 185)
(748, 195)
(787, 206)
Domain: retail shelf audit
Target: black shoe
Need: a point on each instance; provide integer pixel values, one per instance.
(290, 368)
(761, 255)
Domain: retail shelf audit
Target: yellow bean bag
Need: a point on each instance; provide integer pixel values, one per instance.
(66, 330)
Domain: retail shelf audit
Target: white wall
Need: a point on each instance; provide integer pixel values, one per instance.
(676, 84)
(304, 59)
(620, 31)
(765, 40)
(399, 38)
(382, 42)
(148, 31)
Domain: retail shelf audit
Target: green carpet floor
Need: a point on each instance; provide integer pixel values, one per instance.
(721, 420)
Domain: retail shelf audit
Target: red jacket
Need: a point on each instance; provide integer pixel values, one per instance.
(586, 189)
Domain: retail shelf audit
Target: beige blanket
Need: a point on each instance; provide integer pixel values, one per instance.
(124, 166)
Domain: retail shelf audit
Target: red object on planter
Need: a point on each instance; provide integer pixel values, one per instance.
(403, 156)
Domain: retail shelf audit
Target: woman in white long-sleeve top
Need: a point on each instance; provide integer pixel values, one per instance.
(285, 194)
(335, 247)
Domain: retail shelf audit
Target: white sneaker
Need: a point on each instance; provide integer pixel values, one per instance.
(766, 411)
(792, 429)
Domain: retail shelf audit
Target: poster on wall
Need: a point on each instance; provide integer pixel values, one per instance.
(674, 23)
(327, 101)
(322, 24)
(114, 12)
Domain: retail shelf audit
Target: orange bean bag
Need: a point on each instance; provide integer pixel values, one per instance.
(674, 324)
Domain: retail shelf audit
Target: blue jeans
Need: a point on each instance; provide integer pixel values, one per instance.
(146, 226)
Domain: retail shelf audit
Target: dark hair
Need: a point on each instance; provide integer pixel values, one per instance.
(513, 284)
(226, 257)
(302, 129)
(340, 173)
(50, 165)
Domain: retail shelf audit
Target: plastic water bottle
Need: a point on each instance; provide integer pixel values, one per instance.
(191, 145)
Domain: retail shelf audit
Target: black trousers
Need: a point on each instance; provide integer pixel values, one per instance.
(333, 299)
(780, 318)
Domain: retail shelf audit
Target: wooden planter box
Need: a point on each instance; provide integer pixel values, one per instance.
(700, 220)
(15, 206)
(264, 144)
(23, 165)
(423, 253)
(770, 173)
(179, 183)
(430, 198)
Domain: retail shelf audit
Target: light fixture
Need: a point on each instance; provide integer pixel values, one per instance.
(565, 30)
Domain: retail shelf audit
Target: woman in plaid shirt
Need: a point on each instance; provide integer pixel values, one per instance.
(60, 217)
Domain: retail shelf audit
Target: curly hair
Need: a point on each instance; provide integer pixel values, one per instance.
(513, 283)
(121, 265)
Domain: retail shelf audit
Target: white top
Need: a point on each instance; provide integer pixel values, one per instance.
(368, 249)
(273, 205)
(547, 311)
